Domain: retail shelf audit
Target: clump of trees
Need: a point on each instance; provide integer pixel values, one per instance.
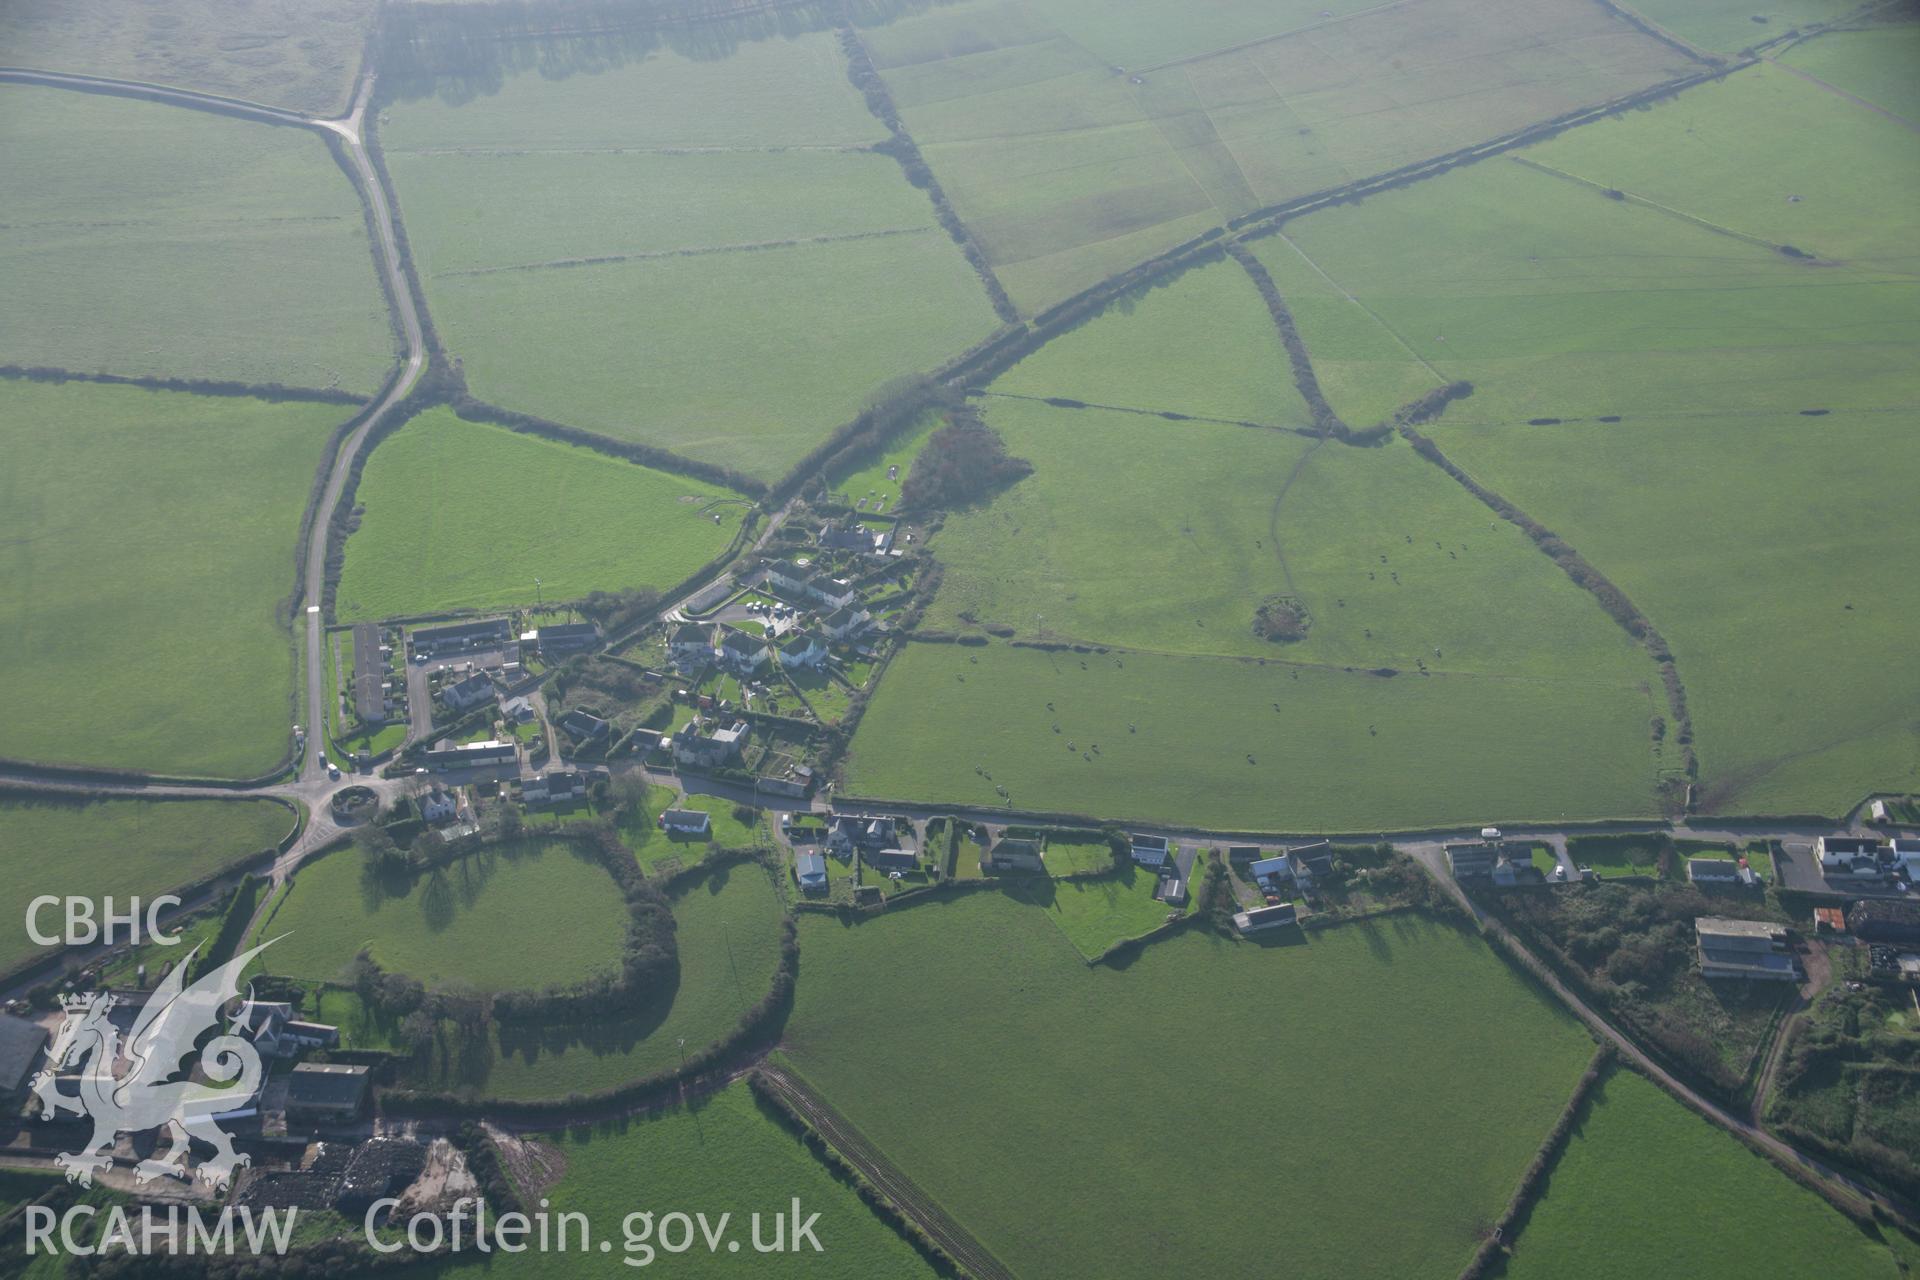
(1281, 619)
(962, 462)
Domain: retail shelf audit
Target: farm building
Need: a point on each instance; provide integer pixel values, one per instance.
(1152, 851)
(892, 859)
(1278, 916)
(811, 871)
(1894, 924)
(1244, 852)
(471, 755)
(327, 1092)
(692, 822)
(468, 693)
(1750, 949)
(1014, 854)
(460, 637)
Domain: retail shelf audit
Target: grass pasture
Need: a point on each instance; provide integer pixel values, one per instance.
(728, 938)
(1638, 1157)
(303, 56)
(466, 515)
(1202, 344)
(1558, 302)
(1729, 26)
(1095, 914)
(150, 640)
(1183, 1043)
(150, 240)
(1875, 64)
(1788, 625)
(701, 254)
(1068, 170)
(516, 916)
(1232, 744)
(720, 1155)
(122, 848)
(1168, 536)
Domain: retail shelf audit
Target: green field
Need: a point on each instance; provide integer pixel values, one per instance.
(512, 917)
(1168, 536)
(868, 481)
(701, 254)
(1789, 625)
(122, 848)
(1202, 345)
(1728, 26)
(1875, 64)
(1330, 750)
(303, 56)
(146, 239)
(465, 515)
(721, 1155)
(729, 944)
(1645, 1187)
(150, 640)
(1095, 914)
(1558, 302)
(1068, 171)
(1121, 1095)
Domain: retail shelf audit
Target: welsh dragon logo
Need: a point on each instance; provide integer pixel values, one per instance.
(144, 1095)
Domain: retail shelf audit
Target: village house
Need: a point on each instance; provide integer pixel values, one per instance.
(439, 805)
(846, 535)
(1905, 855)
(687, 822)
(276, 1033)
(1718, 871)
(1277, 916)
(327, 1092)
(1013, 854)
(371, 701)
(743, 653)
(1851, 856)
(709, 744)
(842, 624)
(789, 577)
(1750, 949)
(835, 593)
(802, 649)
(1311, 862)
(1152, 852)
(691, 644)
(556, 786)
(1471, 858)
(1273, 875)
(519, 710)
(584, 726)
(468, 693)
(849, 831)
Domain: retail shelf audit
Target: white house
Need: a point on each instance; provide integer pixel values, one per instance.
(788, 576)
(744, 653)
(468, 693)
(692, 822)
(835, 593)
(691, 643)
(709, 743)
(802, 649)
(439, 806)
(850, 621)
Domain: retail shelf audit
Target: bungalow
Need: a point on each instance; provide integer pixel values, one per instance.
(1278, 916)
(1471, 859)
(1848, 855)
(1717, 871)
(1273, 874)
(788, 576)
(691, 643)
(472, 755)
(1014, 855)
(460, 637)
(892, 859)
(709, 744)
(1152, 852)
(439, 806)
(687, 822)
(566, 637)
(744, 653)
(802, 649)
(811, 871)
(584, 726)
(468, 693)
(843, 623)
(327, 1091)
(518, 710)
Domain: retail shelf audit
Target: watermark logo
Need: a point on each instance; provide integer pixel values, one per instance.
(127, 1086)
(83, 929)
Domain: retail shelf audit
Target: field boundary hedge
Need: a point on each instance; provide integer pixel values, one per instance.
(472, 409)
(275, 392)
